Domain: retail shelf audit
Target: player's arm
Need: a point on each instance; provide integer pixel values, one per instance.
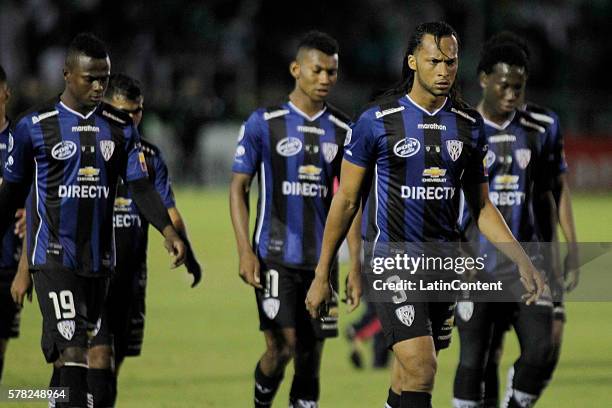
(249, 267)
(22, 282)
(191, 263)
(566, 221)
(494, 228)
(353, 279)
(344, 207)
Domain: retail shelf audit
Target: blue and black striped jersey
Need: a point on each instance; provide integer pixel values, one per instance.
(297, 158)
(11, 244)
(550, 120)
(73, 161)
(131, 228)
(419, 161)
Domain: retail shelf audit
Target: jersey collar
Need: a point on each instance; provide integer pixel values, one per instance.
(503, 126)
(80, 115)
(434, 113)
(309, 118)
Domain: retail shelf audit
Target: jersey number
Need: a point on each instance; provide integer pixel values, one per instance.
(401, 294)
(63, 304)
(271, 289)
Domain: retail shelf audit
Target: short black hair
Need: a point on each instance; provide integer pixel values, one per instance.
(124, 85)
(318, 40)
(86, 44)
(506, 53)
(2, 74)
(508, 37)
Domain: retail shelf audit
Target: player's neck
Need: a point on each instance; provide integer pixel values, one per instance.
(305, 103)
(72, 103)
(426, 100)
(491, 115)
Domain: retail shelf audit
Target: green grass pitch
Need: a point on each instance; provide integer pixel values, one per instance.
(201, 345)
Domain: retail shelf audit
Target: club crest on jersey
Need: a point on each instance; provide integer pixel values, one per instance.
(289, 146)
(271, 307)
(64, 150)
(405, 314)
(489, 159)
(330, 150)
(454, 148)
(407, 147)
(465, 310)
(66, 329)
(523, 156)
(107, 148)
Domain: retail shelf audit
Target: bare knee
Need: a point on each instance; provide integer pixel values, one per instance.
(418, 364)
(100, 357)
(280, 351)
(74, 355)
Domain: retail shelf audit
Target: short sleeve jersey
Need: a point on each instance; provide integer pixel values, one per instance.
(10, 244)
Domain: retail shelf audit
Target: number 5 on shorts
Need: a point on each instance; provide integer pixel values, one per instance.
(66, 301)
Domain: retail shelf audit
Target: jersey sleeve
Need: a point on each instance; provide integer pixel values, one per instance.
(359, 146)
(162, 181)
(476, 171)
(136, 166)
(545, 169)
(557, 148)
(248, 150)
(19, 158)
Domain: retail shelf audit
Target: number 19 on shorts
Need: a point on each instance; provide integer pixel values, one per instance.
(63, 304)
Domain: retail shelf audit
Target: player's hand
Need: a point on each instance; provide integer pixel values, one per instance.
(249, 269)
(22, 285)
(353, 290)
(20, 223)
(533, 282)
(194, 268)
(175, 246)
(571, 270)
(319, 292)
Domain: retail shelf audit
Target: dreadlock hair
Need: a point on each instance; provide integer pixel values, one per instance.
(438, 29)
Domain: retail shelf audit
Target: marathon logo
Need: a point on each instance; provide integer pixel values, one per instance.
(434, 175)
(505, 138)
(83, 191)
(380, 114)
(427, 193)
(43, 116)
(431, 126)
(507, 198)
(86, 128)
(506, 182)
(126, 221)
(311, 129)
(309, 172)
(292, 188)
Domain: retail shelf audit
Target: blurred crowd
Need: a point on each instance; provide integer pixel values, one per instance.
(205, 62)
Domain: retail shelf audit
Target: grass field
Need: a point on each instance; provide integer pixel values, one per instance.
(201, 345)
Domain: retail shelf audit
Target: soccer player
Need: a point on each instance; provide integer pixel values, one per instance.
(562, 198)
(122, 325)
(519, 164)
(72, 149)
(295, 150)
(10, 243)
(417, 126)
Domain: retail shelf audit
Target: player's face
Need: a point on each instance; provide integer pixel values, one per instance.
(86, 79)
(315, 73)
(435, 66)
(131, 107)
(503, 88)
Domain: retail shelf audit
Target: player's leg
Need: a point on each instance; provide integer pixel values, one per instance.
(491, 373)
(100, 375)
(557, 338)
(533, 327)
(305, 387)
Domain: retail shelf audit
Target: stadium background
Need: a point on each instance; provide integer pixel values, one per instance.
(204, 67)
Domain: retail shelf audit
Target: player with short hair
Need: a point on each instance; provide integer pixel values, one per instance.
(416, 127)
(10, 243)
(71, 150)
(519, 164)
(122, 326)
(295, 149)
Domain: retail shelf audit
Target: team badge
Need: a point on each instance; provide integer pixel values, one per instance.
(465, 309)
(271, 307)
(107, 148)
(66, 328)
(405, 314)
(454, 148)
(330, 150)
(489, 159)
(523, 156)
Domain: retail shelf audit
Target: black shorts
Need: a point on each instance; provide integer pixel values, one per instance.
(10, 313)
(70, 305)
(281, 304)
(406, 320)
(123, 317)
(482, 316)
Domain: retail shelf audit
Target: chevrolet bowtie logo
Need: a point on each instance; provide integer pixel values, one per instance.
(122, 202)
(434, 172)
(89, 171)
(310, 170)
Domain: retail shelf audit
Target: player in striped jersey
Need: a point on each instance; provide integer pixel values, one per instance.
(562, 198)
(520, 164)
(294, 148)
(419, 132)
(72, 149)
